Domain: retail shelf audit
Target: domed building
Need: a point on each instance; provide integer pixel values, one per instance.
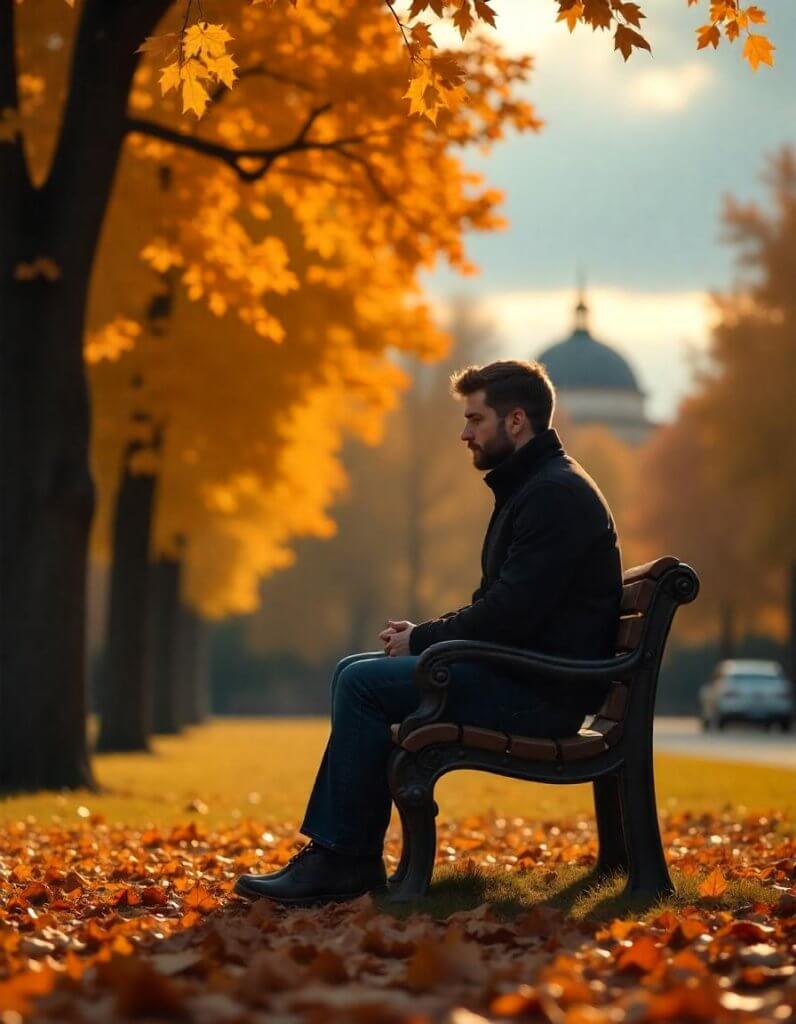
(594, 383)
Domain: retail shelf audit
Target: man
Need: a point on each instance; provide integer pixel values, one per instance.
(551, 581)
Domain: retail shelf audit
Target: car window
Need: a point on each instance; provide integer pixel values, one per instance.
(756, 682)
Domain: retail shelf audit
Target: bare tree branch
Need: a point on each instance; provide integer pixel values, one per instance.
(370, 173)
(267, 155)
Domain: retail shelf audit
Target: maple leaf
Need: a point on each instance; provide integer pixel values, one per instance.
(643, 956)
(447, 69)
(159, 44)
(485, 13)
(169, 77)
(756, 15)
(194, 95)
(571, 15)
(463, 18)
(421, 34)
(632, 13)
(205, 40)
(223, 68)
(414, 93)
(200, 899)
(597, 13)
(731, 30)
(721, 9)
(714, 886)
(626, 38)
(418, 6)
(708, 35)
(758, 50)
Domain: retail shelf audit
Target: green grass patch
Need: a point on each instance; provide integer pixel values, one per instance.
(264, 769)
(574, 891)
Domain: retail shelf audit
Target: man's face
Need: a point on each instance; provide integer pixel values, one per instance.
(485, 432)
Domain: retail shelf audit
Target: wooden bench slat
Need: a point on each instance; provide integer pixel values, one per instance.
(585, 744)
(610, 731)
(485, 739)
(629, 634)
(528, 749)
(439, 732)
(615, 703)
(636, 597)
(652, 570)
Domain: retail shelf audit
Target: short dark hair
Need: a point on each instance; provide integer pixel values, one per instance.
(511, 384)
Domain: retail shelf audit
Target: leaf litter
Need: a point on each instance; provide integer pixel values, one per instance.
(102, 923)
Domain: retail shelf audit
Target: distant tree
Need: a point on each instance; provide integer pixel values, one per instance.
(615, 466)
(686, 509)
(746, 406)
(409, 529)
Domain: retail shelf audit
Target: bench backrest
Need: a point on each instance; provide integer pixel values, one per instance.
(651, 594)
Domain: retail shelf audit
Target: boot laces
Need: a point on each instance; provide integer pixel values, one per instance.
(310, 847)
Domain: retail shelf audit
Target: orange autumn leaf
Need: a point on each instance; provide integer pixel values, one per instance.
(714, 886)
(626, 38)
(708, 35)
(643, 956)
(200, 899)
(758, 50)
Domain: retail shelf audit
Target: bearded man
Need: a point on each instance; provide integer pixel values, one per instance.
(551, 581)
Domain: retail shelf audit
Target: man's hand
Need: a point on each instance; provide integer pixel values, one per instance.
(395, 637)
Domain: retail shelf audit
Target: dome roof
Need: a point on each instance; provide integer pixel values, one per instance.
(580, 361)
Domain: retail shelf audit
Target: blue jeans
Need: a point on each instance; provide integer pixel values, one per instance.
(349, 807)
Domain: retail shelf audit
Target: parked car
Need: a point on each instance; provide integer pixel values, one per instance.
(747, 691)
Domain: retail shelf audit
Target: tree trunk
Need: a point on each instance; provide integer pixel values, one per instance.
(792, 623)
(125, 699)
(48, 237)
(46, 513)
(192, 667)
(361, 634)
(163, 647)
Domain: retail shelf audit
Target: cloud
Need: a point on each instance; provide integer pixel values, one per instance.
(667, 90)
(659, 333)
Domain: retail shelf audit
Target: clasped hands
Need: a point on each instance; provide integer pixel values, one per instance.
(395, 637)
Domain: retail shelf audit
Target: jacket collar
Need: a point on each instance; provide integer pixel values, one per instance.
(523, 463)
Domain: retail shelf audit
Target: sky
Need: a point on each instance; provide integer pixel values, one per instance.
(626, 182)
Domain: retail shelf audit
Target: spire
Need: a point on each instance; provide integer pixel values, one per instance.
(581, 309)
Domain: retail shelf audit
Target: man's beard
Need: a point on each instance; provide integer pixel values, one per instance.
(492, 453)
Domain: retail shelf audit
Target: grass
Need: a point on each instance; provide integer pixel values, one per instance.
(264, 769)
(574, 891)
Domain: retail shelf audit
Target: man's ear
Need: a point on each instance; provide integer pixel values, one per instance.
(517, 418)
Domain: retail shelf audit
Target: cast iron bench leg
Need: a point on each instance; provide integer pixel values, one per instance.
(612, 852)
(400, 872)
(648, 875)
(418, 811)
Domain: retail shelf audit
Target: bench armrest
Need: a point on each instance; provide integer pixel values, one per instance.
(433, 676)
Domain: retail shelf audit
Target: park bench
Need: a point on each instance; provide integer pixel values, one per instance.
(614, 753)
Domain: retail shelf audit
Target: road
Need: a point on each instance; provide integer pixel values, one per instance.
(736, 743)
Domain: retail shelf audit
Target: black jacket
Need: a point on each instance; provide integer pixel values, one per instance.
(551, 570)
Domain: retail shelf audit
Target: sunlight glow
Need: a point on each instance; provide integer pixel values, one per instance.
(666, 90)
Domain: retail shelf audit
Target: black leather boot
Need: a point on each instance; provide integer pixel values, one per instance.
(316, 875)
